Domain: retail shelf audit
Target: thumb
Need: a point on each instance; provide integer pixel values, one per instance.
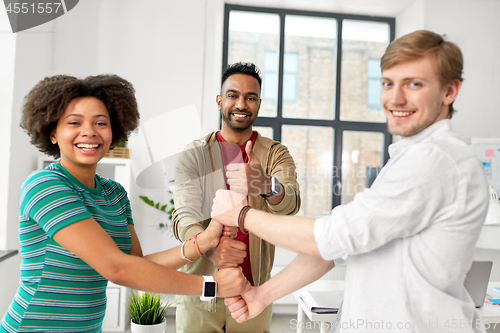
(250, 154)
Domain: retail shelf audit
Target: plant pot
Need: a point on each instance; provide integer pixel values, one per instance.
(158, 328)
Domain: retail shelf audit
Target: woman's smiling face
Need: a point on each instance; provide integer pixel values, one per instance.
(83, 133)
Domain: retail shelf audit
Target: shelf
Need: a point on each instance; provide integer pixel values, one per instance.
(4, 254)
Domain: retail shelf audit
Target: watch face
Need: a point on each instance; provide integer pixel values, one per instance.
(276, 186)
(210, 289)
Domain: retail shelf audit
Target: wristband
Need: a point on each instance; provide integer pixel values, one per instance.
(241, 218)
(209, 291)
(196, 244)
(182, 252)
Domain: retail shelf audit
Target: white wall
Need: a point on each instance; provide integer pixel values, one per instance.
(32, 62)
(7, 59)
(474, 25)
(411, 19)
(9, 271)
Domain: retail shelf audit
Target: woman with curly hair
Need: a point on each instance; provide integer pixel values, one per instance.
(75, 227)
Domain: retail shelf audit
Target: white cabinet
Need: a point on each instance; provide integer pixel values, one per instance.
(117, 318)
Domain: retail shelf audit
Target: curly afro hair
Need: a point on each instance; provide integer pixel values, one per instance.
(48, 100)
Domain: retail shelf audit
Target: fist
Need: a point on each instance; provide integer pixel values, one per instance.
(248, 178)
(227, 206)
(230, 282)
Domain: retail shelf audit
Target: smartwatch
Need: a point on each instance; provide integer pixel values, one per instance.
(275, 188)
(209, 288)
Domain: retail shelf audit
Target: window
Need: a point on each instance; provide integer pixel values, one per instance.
(270, 88)
(320, 94)
(373, 84)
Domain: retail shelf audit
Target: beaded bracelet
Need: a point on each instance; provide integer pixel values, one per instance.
(241, 218)
(196, 243)
(182, 252)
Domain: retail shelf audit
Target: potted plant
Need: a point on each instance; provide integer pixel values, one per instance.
(147, 313)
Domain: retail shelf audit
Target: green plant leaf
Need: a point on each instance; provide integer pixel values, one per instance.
(147, 200)
(146, 308)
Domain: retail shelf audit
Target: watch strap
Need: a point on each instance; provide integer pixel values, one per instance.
(275, 187)
(209, 278)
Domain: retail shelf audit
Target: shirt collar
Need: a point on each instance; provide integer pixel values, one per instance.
(401, 145)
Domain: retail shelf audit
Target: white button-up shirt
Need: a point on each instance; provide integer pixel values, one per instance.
(408, 240)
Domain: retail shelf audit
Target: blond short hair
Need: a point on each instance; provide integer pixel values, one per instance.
(420, 43)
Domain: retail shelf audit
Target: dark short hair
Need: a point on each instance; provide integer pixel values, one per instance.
(48, 100)
(247, 68)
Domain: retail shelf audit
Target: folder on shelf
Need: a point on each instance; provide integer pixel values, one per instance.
(323, 301)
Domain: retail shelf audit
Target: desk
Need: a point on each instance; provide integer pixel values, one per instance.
(324, 319)
(490, 314)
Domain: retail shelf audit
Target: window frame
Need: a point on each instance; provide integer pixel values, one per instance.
(338, 125)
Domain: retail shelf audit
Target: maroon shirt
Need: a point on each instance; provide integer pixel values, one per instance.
(232, 153)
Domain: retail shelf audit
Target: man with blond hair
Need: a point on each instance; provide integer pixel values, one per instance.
(409, 239)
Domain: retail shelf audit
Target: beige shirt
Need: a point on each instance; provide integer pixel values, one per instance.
(199, 174)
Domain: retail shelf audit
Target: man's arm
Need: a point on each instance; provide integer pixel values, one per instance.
(187, 216)
(251, 179)
(290, 232)
(394, 207)
(302, 271)
(283, 168)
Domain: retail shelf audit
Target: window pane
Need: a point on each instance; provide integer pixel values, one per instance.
(361, 41)
(264, 131)
(310, 75)
(312, 150)
(251, 41)
(362, 158)
(374, 90)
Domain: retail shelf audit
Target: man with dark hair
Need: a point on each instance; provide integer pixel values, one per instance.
(247, 68)
(266, 172)
(409, 239)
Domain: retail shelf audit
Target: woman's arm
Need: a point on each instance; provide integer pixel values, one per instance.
(172, 258)
(87, 240)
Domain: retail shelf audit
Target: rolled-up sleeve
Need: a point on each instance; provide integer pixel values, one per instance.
(283, 168)
(407, 196)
